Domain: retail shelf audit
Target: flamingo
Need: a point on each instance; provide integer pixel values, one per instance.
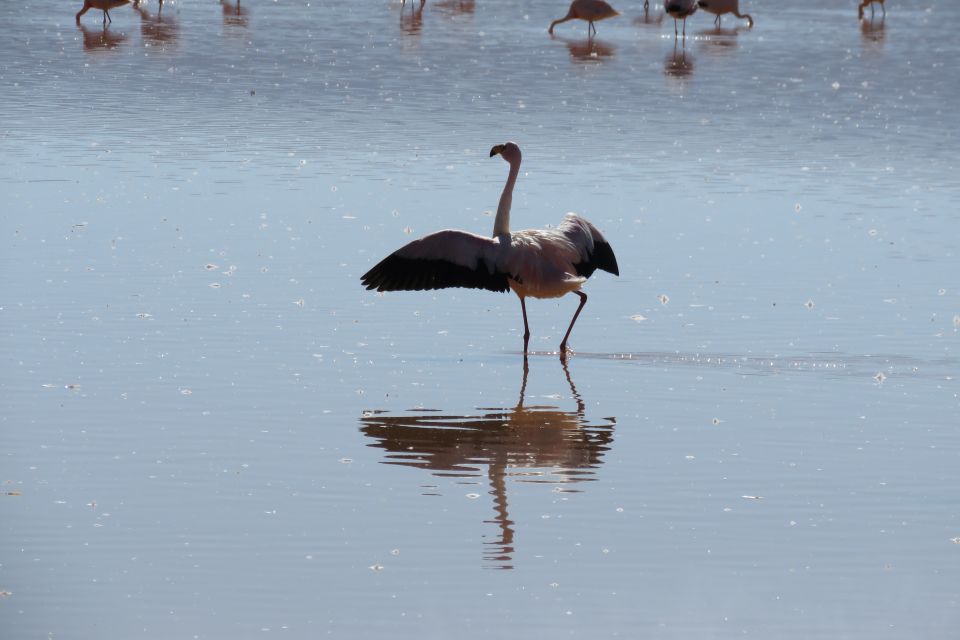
(541, 263)
(720, 7)
(589, 10)
(103, 5)
(680, 10)
(235, 15)
(863, 5)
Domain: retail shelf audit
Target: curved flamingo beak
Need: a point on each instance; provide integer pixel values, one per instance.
(496, 150)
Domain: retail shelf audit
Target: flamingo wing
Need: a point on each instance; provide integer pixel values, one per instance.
(438, 261)
(595, 252)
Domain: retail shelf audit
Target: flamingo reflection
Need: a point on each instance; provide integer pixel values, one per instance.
(412, 22)
(455, 6)
(718, 40)
(156, 30)
(534, 443)
(588, 49)
(678, 64)
(100, 39)
(872, 33)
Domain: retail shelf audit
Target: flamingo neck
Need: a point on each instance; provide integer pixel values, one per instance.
(501, 226)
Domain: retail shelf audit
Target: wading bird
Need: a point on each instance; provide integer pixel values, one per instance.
(589, 10)
(863, 5)
(541, 263)
(720, 7)
(103, 5)
(680, 10)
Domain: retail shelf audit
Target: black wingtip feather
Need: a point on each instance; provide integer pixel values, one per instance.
(396, 273)
(601, 258)
(604, 259)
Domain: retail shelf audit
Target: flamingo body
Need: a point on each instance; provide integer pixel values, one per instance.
(589, 10)
(537, 263)
(680, 10)
(102, 5)
(721, 7)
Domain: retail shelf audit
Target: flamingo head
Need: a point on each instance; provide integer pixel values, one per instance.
(509, 151)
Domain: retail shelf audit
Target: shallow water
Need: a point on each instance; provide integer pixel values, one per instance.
(212, 430)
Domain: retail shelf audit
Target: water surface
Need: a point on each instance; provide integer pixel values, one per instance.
(212, 430)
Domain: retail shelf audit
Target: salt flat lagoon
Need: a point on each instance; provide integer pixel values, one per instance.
(211, 430)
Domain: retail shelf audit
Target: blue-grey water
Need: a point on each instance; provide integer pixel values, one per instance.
(209, 429)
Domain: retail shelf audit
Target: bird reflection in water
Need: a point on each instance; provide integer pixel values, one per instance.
(454, 7)
(678, 64)
(588, 49)
(718, 40)
(526, 443)
(235, 15)
(872, 33)
(157, 30)
(100, 39)
(411, 22)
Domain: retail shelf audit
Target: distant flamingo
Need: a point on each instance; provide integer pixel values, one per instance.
(680, 10)
(542, 263)
(588, 10)
(646, 18)
(102, 5)
(720, 7)
(235, 15)
(863, 5)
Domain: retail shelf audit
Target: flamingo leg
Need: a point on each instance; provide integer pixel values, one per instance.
(563, 345)
(526, 327)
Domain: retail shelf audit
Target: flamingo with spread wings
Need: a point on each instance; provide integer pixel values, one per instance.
(539, 263)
